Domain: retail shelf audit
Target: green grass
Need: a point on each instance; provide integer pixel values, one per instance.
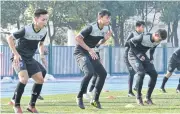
(65, 103)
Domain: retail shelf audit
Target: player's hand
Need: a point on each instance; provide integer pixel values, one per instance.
(142, 58)
(16, 59)
(93, 54)
(108, 35)
(44, 62)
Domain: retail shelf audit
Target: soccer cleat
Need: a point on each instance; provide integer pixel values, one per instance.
(80, 103)
(131, 94)
(12, 102)
(177, 90)
(96, 104)
(17, 110)
(140, 101)
(40, 97)
(163, 90)
(32, 109)
(148, 101)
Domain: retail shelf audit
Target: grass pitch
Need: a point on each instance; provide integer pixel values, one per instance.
(112, 102)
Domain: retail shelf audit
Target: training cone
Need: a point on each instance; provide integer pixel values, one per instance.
(111, 97)
(106, 90)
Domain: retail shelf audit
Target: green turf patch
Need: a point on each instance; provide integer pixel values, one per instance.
(112, 102)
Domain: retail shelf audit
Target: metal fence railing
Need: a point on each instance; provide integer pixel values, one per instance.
(62, 63)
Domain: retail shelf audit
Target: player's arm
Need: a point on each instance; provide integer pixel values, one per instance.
(83, 34)
(80, 40)
(133, 43)
(12, 45)
(177, 55)
(106, 36)
(10, 39)
(41, 47)
(42, 51)
(151, 53)
(128, 39)
(177, 52)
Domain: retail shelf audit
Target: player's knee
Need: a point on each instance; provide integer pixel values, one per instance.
(141, 73)
(89, 73)
(132, 73)
(23, 80)
(40, 80)
(104, 73)
(169, 74)
(44, 73)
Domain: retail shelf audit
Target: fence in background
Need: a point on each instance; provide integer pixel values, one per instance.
(62, 63)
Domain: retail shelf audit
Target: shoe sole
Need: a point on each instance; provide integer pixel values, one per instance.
(15, 110)
(78, 105)
(28, 109)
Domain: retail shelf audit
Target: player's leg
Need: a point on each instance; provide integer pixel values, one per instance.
(130, 81)
(101, 73)
(43, 70)
(140, 72)
(171, 68)
(178, 87)
(149, 67)
(130, 77)
(23, 79)
(34, 71)
(88, 94)
(88, 71)
(93, 82)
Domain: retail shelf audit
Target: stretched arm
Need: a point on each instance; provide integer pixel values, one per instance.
(106, 37)
(151, 52)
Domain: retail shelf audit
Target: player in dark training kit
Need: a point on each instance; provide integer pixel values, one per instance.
(174, 62)
(87, 58)
(29, 38)
(139, 29)
(138, 59)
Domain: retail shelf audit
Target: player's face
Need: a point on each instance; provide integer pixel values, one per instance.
(42, 20)
(157, 38)
(141, 28)
(106, 20)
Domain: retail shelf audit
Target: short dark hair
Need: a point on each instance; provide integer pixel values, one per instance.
(139, 23)
(38, 12)
(104, 12)
(162, 33)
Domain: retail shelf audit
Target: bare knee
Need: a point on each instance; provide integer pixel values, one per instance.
(23, 80)
(40, 80)
(168, 74)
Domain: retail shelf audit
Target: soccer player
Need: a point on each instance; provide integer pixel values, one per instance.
(174, 62)
(138, 30)
(29, 38)
(87, 58)
(138, 59)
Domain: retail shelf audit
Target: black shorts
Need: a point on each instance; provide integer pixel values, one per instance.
(31, 66)
(173, 64)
